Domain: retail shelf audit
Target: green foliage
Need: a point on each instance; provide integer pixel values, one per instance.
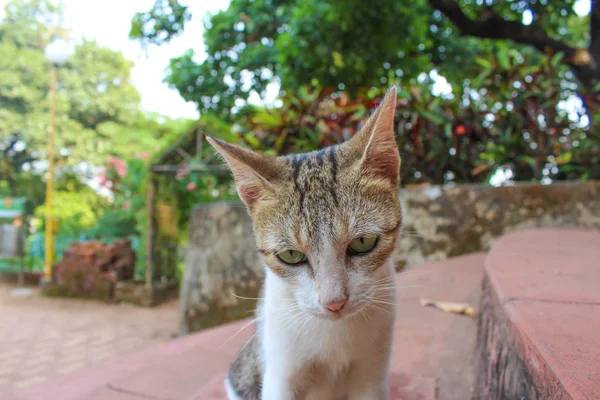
(127, 181)
(349, 45)
(507, 118)
(96, 102)
(76, 212)
(164, 21)
(174, 196)
(307, 120)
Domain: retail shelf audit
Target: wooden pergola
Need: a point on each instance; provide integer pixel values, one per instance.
(189, 152)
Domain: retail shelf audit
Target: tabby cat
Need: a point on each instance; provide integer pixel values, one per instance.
(325, 225)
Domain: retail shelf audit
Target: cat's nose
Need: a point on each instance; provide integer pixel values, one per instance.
(335, 306)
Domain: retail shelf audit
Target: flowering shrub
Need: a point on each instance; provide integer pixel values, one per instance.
(511, 118)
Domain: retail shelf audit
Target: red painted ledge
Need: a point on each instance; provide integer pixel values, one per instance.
(538, 333)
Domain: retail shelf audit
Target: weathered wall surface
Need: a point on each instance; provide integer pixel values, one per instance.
(438, 223)
(221, 263)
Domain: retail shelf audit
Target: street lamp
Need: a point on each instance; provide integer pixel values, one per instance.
(57, 52)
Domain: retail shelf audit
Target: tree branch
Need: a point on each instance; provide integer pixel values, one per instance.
(595, 27)
(493, 26)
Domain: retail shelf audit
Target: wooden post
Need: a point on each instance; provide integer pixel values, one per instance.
(149, 233)
(22, 270)
(199, 145)
(22, 251)
(50, 183)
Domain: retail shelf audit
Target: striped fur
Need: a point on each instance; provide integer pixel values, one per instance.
(317, 203)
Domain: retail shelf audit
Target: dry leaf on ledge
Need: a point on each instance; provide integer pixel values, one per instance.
(449, 307)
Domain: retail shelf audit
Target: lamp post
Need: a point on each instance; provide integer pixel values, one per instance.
(57, 52)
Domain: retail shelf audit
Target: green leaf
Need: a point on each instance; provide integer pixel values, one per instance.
(436, 119)
(405, 95)
(338, 59)
(482, 76)
(483, 62)
(448, 130)
(556, 59)
(527, 159)
(528, 70)
(503, 60)
(252, 140)
(564, 158)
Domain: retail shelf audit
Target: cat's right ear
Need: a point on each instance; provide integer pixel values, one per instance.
(253, 172)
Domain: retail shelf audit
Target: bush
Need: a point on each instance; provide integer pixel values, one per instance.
(76, 212)
(510, 118)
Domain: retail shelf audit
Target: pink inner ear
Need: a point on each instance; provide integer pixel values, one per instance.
(249, 193)
(381, 157)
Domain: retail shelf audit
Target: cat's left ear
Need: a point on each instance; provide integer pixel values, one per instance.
(377, 141)
(253, 172)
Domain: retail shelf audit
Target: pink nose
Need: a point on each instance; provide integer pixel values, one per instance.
(335, 306)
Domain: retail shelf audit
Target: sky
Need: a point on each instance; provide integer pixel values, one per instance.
(108, 22)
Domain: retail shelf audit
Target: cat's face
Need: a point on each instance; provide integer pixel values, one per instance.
(326, 221)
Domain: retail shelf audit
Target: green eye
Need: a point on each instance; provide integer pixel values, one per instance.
(291, 257)
(362, 245)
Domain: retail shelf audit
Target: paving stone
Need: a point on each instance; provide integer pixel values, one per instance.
(435, 347)
(40, 338)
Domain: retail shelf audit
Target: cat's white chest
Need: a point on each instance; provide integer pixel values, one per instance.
(327, 342)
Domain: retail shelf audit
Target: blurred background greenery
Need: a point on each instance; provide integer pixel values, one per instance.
(494, 91)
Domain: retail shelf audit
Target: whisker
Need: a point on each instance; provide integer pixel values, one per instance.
(370, 304)
(235, 334)
(364, 311)
(378, 301)
(399, 287)
(387, 278)
(289, 317)
(412, 271)
(245, 298)
(244, 346)
(307, 317)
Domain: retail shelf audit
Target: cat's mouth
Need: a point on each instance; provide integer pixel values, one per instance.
(342, 314)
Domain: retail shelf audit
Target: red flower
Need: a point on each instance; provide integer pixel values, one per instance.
(119, 165)
(190, 186)
(460, 130)
(126, 205)
(102, 178)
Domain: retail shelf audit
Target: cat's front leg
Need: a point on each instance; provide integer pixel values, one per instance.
(369, 390)
(368, 383)
(277, 385)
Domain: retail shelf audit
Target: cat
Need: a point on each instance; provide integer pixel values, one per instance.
(325, 225)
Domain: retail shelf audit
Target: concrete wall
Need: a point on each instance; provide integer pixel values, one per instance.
(438, 223)
(221, 261)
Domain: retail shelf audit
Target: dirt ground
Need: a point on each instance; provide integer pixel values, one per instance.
(41, 338)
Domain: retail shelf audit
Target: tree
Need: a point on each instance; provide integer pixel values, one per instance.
(13, 156)
(97, 106)
(347, 44)
(547, 32)
(94, 93)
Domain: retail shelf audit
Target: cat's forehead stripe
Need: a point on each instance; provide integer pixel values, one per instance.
(332, 188)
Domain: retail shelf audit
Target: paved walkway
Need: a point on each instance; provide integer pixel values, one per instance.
(432, 356)
(42, 338)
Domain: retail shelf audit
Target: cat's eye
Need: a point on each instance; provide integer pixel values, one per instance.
(291, 257)
(362, 244)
